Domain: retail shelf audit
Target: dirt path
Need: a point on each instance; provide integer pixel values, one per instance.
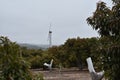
(65, 75)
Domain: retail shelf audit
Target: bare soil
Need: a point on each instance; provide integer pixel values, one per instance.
(65, 74)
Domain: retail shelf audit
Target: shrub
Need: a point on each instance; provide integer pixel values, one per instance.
(14, 67)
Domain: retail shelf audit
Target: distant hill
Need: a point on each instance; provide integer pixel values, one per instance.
(34, 46)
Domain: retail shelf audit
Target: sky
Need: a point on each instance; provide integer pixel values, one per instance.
(28, 21)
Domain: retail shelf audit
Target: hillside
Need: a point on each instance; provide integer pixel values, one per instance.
(34, 46)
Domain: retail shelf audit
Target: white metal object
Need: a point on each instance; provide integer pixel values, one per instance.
(94, 75)
(49, 65)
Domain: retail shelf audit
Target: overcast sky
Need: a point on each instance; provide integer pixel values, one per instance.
(27, 21)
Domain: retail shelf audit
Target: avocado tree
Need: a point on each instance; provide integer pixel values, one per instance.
(107, 22)
(13, 66)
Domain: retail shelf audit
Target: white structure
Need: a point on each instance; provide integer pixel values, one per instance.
(50, 36)
(94, 75)
(49, 65)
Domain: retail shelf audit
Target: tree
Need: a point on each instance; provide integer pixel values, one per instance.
(14, 67)
(107, 22)
(78, 51)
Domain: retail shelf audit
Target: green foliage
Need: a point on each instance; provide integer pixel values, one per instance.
(36, 62)
(116, 1)
(38, 76)
(14, 67)
(79, 49)
(33, 56)
(107, 22)
(57, 54)
(76, 48)
(100, 20)
(72, 54)
(112, 62)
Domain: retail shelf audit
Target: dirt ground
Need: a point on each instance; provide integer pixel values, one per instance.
(65, 74)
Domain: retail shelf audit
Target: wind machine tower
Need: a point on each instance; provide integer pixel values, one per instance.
(50, 36)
